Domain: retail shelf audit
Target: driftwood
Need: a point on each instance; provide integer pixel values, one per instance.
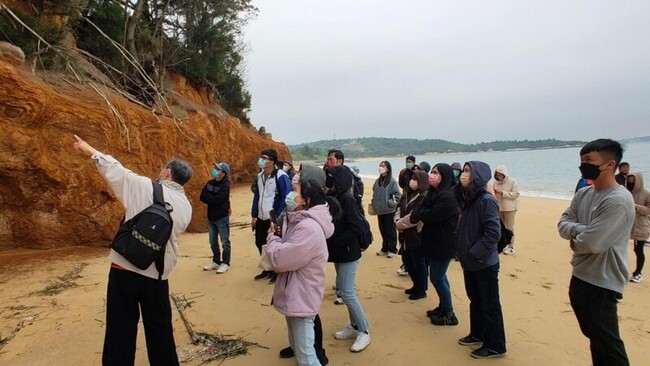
(181, 304)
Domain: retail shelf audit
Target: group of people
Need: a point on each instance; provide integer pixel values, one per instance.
(441, 213)
(445, 212)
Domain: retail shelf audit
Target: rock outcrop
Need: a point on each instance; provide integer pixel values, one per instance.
(51, 197)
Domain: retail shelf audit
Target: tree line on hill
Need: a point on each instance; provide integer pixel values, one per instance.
(133, 42)
(380, 146)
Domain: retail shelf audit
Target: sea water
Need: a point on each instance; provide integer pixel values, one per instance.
(548, 173)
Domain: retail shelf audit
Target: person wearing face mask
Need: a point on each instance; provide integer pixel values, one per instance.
(288, 168)
(641, 227)
(299, 256)
(416, 265)
(344, 249)
(439, 214)
(506, 191)
(406, 173)
(477, 235)
(271, 188)
(216, 194)
(455, 170)
(385, 196)
(403, 180)
(597, 225)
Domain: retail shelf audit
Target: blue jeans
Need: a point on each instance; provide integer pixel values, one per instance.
(301, 340)
(485, 316)
(438, 276)
(416, 266)
(345, 276)
(220, 227)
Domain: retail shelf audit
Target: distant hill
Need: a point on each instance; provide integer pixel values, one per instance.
(637, 139)
(382, 146)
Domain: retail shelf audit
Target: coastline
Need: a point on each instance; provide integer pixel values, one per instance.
(540, 326)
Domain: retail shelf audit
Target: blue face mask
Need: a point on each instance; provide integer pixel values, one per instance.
(288, 200)
(261, 163)
(214, 173)
(456, 173)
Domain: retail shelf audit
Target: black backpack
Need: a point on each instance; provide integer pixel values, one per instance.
(142, 240)
(506, 237)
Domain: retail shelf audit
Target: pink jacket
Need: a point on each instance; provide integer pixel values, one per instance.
(300, 257)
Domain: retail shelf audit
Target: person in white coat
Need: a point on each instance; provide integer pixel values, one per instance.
(506, 192)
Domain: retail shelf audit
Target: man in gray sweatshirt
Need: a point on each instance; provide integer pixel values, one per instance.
(597, 225)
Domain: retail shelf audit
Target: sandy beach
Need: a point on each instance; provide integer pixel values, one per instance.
(68, 328)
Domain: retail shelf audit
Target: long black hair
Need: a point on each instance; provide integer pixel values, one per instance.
(389, 173)
(313, 193)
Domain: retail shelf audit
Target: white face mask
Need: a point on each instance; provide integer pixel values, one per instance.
(382, 170)
(465, 179)
(413, 184)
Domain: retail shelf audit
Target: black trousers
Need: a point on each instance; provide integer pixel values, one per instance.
(130, 294)
(416, 266)
(485, 316)
(596, 311)
(640, 256)
(388, 233)
(261, 232)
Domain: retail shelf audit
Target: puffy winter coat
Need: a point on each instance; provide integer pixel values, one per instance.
(509, 188)
(300, 257)
(641, 228)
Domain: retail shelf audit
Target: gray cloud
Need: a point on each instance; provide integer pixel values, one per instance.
(466, 71)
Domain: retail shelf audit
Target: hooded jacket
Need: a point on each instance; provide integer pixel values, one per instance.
(344, 244)
(385, 197)
(300, 257)
(641, 228)
(479, 229)
(439, 213)
(508, 200)
(408, 202)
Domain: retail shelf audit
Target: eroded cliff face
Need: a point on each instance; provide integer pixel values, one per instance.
(50, 196)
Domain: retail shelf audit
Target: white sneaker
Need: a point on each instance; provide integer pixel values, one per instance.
(223, 268)
(362, 341)
(338, 301)
(381, 253)
(346, 333)
(211, 267)
(391, 254)
(637, 278)
(509, 250)
(402, 271)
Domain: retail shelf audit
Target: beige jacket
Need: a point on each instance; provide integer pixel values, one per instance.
(641, 228)
(135, 192)
(508, 200)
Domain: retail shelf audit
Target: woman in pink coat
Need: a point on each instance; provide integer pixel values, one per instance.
(299, 256)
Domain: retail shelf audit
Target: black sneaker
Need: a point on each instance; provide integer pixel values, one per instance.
(287, 352)
(469, 340)
(485, 352)
(409, 291)
(434, 312)
(322, 358)
(448, 318)
(262, 275)
(417, 295)
(273, 277)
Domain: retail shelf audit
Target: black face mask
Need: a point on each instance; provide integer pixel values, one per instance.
(630, 186)
(589, 171)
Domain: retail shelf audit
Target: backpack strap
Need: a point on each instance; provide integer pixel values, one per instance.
(158, 198)
(158, 193)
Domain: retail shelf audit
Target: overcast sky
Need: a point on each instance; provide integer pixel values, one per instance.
(465, 71)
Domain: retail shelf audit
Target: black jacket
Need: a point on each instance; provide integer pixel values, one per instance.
(344, 245)
(217, 195)
(479, 228)
(439, 214)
